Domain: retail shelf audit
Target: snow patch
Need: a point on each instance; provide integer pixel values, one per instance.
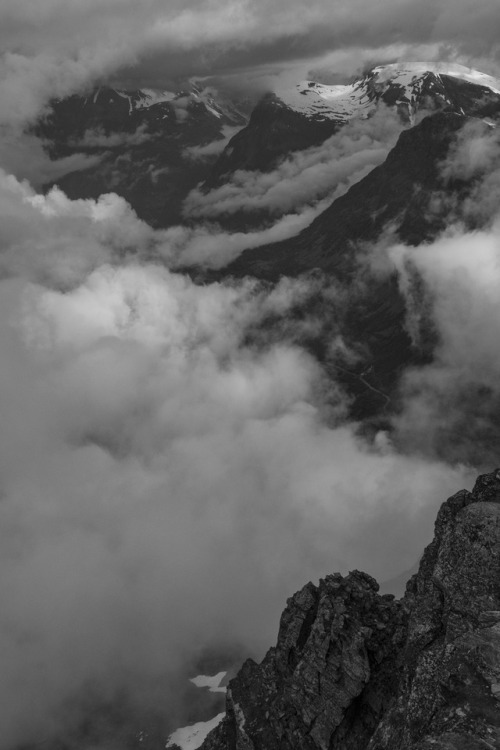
(323, 102)
(213, 683)
(240, 717)
(126, 96)
(150, 97)
(190, 738)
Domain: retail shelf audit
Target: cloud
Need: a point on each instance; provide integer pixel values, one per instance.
(209, 246)
(212, 149)
(23, 154)
(52, 239)
(474, 158)
(450, 405)
(304, 177)
(97, 138)
(452, 287)
(165, 483)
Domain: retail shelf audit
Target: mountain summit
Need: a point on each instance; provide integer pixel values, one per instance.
(409, 86)
(307, 114)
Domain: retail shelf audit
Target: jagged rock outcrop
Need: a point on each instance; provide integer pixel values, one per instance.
(449, 690)
(353, 670)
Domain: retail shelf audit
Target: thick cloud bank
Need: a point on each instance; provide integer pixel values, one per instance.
(165, 485)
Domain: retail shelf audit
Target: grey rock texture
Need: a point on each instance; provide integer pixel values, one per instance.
(353, 670)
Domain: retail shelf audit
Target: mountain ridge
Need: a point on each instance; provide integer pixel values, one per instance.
(151, 147)
(282, 121)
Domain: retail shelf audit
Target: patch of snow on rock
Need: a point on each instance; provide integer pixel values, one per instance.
(149, 97)
(190, 738)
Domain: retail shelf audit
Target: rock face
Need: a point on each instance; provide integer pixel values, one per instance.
(353, 670)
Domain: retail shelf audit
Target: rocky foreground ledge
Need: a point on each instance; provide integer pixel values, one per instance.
(353, 670)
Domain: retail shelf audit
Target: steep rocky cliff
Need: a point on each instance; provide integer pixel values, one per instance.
(353, 670)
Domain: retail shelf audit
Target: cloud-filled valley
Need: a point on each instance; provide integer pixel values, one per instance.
(163, 482)
(305, 176)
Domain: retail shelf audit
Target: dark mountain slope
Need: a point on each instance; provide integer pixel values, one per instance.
(396, 194)
(274, 131)
(371, 312)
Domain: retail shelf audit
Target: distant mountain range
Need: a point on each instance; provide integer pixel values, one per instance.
(149, 145)
(153, 147)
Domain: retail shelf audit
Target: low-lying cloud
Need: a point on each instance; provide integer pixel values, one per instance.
(24, 155)
(452, 288)
(451, 405)
(304, 177)
(209, 246)
(212, 149)
(165, 483)
(98, 138)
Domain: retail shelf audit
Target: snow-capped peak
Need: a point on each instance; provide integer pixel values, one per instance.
(398, 83)
(408, 72)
